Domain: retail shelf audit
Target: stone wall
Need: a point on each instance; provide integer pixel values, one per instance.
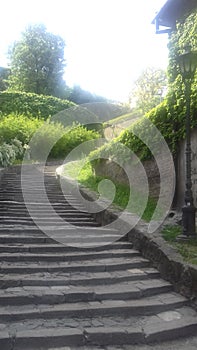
(112, 170)
(115, 172)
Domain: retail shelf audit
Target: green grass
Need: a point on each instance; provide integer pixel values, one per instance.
(188, 249)
(170, 233)
(85, 176)
(132, 115)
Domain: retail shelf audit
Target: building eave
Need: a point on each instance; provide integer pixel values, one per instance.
(171, 12)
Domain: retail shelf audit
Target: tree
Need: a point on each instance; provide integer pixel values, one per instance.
(80, 96)
(4, 74)
(149, 89)
(37, 62)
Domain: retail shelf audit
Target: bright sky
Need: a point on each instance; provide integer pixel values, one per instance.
(109, 42)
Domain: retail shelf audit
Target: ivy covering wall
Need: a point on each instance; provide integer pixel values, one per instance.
(169, 116)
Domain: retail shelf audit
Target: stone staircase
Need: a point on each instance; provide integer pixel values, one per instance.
(55, 296)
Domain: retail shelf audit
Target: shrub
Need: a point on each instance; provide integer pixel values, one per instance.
(10, 152)
(31, 104)
(44, 139)
(169, 119)
(20, 127)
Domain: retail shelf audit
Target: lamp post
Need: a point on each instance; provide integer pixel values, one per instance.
(188, 64)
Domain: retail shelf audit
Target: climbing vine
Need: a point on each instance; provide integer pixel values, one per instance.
(169, 116)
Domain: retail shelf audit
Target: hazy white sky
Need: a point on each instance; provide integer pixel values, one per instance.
(109, 42)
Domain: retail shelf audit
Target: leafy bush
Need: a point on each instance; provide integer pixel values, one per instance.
(171, 125)
(44, 141)
(31, 104)
(23, 128)
(19, 127)
(72, 139)
(121, 147)
(10, 152)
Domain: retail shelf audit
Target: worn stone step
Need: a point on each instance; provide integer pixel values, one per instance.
(59, 248)
(35, 240)
(34, 237)
(16, 213)
(81, 241)
(90, 338)
(40, 209)
(77, 279)
(20, 230)
(144, 306)
(26, 256)
(36, 192)
(15, 189)
(54, 295)
(24, 239)
(96, 266)
(20, 220)
(35, 204)
(64, 294)
(57, 252)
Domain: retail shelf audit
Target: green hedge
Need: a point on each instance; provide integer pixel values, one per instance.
(31, 104)
(67, 140)
(20, 127)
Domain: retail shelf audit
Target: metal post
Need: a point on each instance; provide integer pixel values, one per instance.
(188, 210)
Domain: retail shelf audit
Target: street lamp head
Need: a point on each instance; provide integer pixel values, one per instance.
(188, 64)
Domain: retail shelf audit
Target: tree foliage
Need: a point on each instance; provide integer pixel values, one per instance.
(4, 74)
(149, 89)
(80, 96)
(37, 62)
(169, 116)
(185, 36)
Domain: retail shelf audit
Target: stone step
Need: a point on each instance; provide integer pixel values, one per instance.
(17, 189)
(105, 256)
(50, 219)
(77, 279)
(56, 295)
(65, 337)
(16, 183)
(74, 239)
(37, 240)
(85, 243)
(66, 294)
(103, 265)
(14, 213)
(20, 230)
(28, 220)
(54, 229)
(36, 204)
(16, 239)
(144, 306)
(60, 252)
(51, 191)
